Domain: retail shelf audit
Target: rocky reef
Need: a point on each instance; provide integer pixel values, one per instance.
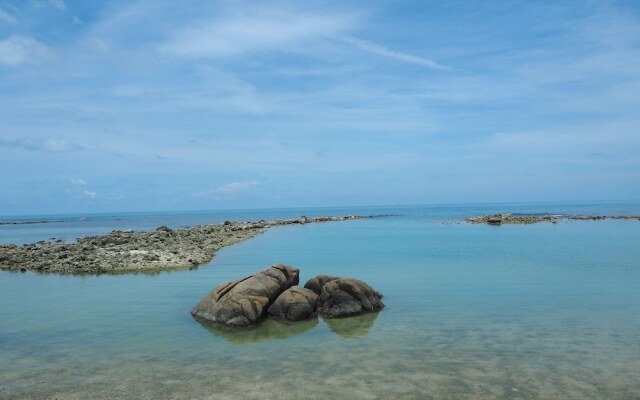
(502, 219)
(127, 251)
(273, 291)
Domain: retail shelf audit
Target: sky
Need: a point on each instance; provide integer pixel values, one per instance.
(199, 105)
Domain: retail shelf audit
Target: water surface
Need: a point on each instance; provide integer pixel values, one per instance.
(512, 312)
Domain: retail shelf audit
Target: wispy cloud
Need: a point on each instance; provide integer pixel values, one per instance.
(18, 49)
(59, 4)
(45, 145)
(227, 189)
(6, 17)
(78, 181)
(235, 187)
(386, 52)
(90, 194)
(258, 30)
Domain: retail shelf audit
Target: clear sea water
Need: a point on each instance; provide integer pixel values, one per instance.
(473, 312)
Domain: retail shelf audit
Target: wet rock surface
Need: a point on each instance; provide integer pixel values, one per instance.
(274, 292)
(316, 284)
(503, 219)
(244, 302)
(127, 251)
(295, 304)
(346, 296)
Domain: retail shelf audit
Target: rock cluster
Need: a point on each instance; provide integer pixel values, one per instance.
(274, 291)
(128, 251)
(501, 219)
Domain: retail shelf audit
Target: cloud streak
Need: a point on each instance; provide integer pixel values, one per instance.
(18, 49)
(78, 181)
(396, 55)
(6, 17)
(43, 145)
(258, 30)
(228, 189)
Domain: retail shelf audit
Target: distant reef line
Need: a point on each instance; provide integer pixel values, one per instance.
(29, 222)
(126, 251)
(508, 218)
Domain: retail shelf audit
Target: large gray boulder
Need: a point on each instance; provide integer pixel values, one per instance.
(244, 302)
(294, 304)
(316, 284)
(345, 296)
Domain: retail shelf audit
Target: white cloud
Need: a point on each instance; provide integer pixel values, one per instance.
(236, 187)
(78, 181)
(90, 194)
(17, 49)
(227, 189)
(385, 52)
(59, 4)
(256, 31)
(6, 17)
(45, 145)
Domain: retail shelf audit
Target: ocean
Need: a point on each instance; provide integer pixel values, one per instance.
(543, 311)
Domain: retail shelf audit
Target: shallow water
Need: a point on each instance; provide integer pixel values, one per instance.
(513, 312)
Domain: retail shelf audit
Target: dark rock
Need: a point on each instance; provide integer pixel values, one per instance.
(345, 296)
(164, 229)
(244, 302)
(316, 284)
(295, 304)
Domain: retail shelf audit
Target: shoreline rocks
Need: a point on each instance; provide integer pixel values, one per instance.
(508, 218)
(273, 292)
(140, 252)
(30, 222)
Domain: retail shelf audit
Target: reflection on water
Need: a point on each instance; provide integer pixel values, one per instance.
(266, 331)
(274, 329)
(352, 327)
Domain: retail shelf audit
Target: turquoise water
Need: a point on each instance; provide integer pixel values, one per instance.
(473, 312)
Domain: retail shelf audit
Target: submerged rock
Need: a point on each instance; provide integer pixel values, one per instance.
(294, 304)
(355, 326)
(244, 302)
(346, 296)
(268, 330)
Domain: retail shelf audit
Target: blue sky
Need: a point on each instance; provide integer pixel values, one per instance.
(157, 105)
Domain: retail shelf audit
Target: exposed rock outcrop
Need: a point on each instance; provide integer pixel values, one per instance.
(508, 218)
(294, 304)
(244, 302)
(274, 291)
(346, 296)
(316, 284)
(499, 219)
(125, 251)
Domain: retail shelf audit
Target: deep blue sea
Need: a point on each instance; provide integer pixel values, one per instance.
(544, 311)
